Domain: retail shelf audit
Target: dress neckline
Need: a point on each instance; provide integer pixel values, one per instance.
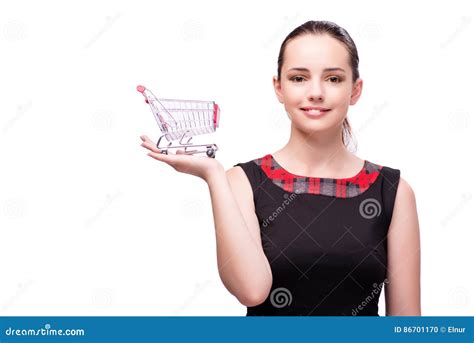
(347, 179)
(340, 188)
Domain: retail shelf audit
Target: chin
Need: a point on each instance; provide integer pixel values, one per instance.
(313, 127)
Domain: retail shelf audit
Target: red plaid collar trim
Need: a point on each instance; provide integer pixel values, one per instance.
(340, 188)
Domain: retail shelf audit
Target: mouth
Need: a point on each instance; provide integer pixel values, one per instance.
(315, 112)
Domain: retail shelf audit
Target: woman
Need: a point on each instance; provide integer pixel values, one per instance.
(313, 229)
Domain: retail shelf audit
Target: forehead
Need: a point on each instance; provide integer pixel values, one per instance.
(315, 52)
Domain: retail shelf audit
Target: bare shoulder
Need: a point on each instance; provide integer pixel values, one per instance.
(236, 176)
(235, 173)
(240, 185)
(405, 191)
(405, 200)
(405, 216)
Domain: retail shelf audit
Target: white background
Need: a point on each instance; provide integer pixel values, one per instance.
(90, 225)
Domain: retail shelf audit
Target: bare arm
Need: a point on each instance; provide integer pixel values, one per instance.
(402, 292)
(243, 266)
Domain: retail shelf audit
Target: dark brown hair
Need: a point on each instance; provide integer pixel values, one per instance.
(337, 32)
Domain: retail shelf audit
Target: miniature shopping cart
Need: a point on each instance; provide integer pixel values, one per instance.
(183, 119)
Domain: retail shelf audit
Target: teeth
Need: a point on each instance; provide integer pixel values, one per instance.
(315, 112)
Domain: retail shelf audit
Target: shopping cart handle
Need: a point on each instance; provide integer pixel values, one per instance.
(142, 89)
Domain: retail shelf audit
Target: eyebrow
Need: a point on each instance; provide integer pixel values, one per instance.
(326, 69)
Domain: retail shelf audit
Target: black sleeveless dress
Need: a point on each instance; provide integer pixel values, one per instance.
(325, 239)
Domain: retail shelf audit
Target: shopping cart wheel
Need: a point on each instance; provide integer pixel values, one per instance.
(211, 152)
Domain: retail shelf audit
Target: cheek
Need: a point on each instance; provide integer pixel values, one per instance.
(340, 96)
(297, 98)
(293, 94)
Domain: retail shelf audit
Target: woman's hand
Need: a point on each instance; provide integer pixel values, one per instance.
(201, 166)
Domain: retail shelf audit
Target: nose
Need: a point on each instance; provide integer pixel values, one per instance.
(315, 91)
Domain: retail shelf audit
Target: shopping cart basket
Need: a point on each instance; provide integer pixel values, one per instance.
(183, 119)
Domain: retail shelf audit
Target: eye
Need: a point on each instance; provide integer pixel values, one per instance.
(296, 78)
(336, 78)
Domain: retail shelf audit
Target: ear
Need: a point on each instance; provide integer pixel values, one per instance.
(356, 91)
(277, 87)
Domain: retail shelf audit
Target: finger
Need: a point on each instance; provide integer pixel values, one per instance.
(146, 139)
(150, 147)
(157, 156)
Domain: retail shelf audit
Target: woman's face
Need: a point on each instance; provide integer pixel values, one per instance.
(308, 79)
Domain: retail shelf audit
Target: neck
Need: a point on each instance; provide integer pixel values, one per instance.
(317, 153)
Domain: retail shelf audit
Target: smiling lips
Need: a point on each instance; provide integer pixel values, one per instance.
(315, 111)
